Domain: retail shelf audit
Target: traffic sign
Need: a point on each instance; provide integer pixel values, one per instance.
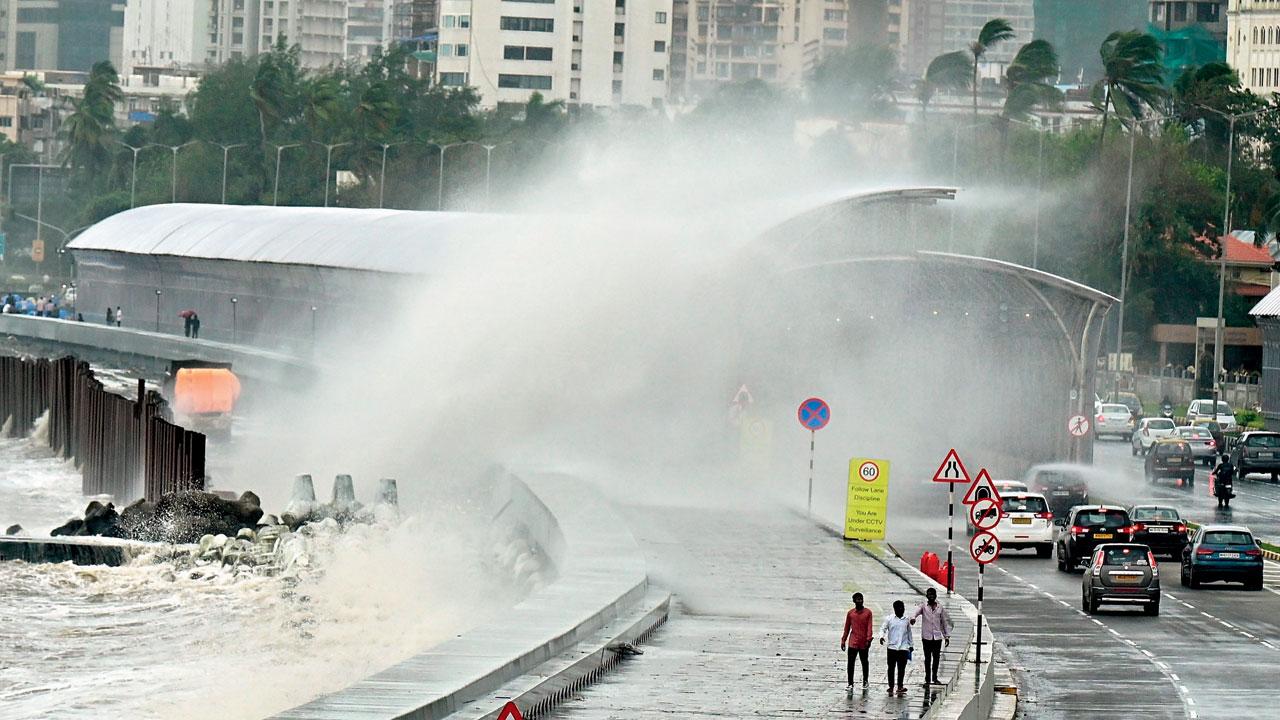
(951, 470)
(982, 487)
(984, 547)
(867, 501)
(868, 471)
(984, 514)
(814, 414)
(1078, 426)
(510, 712)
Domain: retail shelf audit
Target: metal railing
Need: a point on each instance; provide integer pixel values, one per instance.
(123, 447)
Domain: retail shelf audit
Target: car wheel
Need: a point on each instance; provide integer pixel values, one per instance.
(1191, 483)
(1062, 564)
(1192, 582)
(1044, 551)
(1186, 580)
(1152, 608)
(1084, 600)
(1093, 605)
(1133, 449)
(1254, 584)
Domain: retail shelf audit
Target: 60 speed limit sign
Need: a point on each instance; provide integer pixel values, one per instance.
(869, 471)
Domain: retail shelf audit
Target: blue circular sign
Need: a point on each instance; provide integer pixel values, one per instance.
(814, 414)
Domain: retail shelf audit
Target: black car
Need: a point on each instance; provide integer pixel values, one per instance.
(1122, 573)
(1257, 451)
(1087, 527)
(1160, 528)
(1222, 552)
(1171, 459)
(1062, 487)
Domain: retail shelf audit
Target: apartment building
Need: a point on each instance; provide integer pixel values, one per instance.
(587, 53)
(60, 34)
(1180, 14)
(965, 18)
(1253, 43)
(160, 33)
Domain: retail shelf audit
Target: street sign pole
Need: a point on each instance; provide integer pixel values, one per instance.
(951, 528)
(981, 568)
(813, 414)
(951, 471)
(809, 504)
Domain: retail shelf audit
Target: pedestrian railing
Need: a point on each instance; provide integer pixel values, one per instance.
(126, 448)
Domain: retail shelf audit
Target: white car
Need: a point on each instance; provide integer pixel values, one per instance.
(1025, 522)
(1010, 486)
(1149, 431)
(1204, 410)
(1113, 419)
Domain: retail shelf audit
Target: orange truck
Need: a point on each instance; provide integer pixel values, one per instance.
(203, 395)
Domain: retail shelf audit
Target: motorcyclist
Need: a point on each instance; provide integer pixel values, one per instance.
(1223, 477)
(1166, 407)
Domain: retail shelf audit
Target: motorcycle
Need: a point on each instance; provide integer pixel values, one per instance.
(1166, 410)
(1222, 488)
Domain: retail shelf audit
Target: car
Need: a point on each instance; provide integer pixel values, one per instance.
(1219, 437)
(1149, 430)
(1113, 419)
(1087, 527)
(1170, 458)
(1025, 522)
(1004, 487)
(1121, 573)
(1222, 552)
(1129, 400)
(1203, 445)
(1062, 486)
(1257, 451)
(1160, 528)
(1204, 409)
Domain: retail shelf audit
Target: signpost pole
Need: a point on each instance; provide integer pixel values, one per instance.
(981, 568)
(809, 505)
(951, 528)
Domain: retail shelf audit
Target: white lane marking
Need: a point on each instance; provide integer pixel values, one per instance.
(1064, 603)
(1188, 605)
(1034, 587)
(1264, 642)
(1248, 635)
(1096, 621)
(1175, 677)
(1130, 642)
(1207, 615)
(1147, 653)
(1224, 623)
(1190, 700)
(1163, 665)
(1113, 632)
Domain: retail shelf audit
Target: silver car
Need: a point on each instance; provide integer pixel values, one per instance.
(1113, 419)
(1200, 440)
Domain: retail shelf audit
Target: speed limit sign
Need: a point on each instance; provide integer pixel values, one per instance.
(868, 471)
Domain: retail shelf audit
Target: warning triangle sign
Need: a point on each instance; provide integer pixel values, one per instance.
(951, 470)
(982, 487)
(510, 712)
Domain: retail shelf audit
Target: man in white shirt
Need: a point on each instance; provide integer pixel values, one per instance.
(896, 630)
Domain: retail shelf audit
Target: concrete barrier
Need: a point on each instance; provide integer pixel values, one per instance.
(78, 550)
(599, 577)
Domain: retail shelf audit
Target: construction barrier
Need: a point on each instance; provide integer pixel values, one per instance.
(126, 448)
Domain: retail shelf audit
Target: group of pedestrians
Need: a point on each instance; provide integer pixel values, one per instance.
(895, 635)
(115, 317)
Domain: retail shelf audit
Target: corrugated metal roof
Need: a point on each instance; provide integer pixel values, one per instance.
(393, 241)
(1268, 306)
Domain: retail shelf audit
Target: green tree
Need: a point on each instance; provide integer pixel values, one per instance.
(994, 31)
(1029, 80)
(1199, 91)
(90, 128)
(857, 82)
(949, 71)
(1132, 76)
(275, 87)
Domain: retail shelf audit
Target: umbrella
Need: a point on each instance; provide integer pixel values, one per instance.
(186, 313)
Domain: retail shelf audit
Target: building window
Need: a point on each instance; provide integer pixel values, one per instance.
(661, 17)
(620, 4)
(8, 122)
(1207, 12)
(460, 50)
(661, 46)
(617, 59)
(619, 29)
(617, 86)
(833, 15)
(454, 79)
(659, 74)
(1179, 12)
(836, 34)
(520, 52)
(451, 21)
(446, 50)
(525, 82)
(527, 24)
(464, 21)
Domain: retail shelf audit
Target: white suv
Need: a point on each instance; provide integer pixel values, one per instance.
(1025, 522)
(1150, 430)
(1203, 410)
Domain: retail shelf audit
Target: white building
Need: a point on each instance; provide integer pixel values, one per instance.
(590, 53)
(965, 18)
(1253, 43)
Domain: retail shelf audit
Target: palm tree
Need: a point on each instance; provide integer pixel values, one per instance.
(996, 30)
(1028, 80)
(949, 71)
(91, 126)
(275, 85)
(1212, 85)
(1132, 76)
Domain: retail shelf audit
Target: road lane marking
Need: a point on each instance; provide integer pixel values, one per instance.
(1147, 653)
(1248, 635)
(1163, 665)
(1264, 642)
(1207, 615)
(1175, 677)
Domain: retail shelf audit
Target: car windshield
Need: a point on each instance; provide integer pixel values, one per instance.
(1224, 409)
(1125, 555)
(1057, 477)
(1115, 410)
(1155, 513)
(1267, 441)
(1227, 537)
(1028, 504)
(1194, 433)
(1102, 518)
(1160, 424)
(1170, 449)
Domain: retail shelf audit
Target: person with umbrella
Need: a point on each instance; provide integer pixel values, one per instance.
(187, 324)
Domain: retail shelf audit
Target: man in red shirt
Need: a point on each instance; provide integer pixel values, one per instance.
(857, 637)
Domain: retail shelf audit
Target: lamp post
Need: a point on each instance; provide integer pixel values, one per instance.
(133, 177)
(1035, 237)
(173, 193)
(159, 292)
(233, 319)
(328, 158)
(226, 150)
(1222, 254)
(382, 177)
(66, 236)
(440, 175)
(313, 324)
(275, 192)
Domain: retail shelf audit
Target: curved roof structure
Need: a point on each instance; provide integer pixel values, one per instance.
(392, 241)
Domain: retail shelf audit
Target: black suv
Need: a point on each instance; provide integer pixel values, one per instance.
(1170, 459)
(1087, 527)
(1062, 487)
(1122, 573)
(1257, 452)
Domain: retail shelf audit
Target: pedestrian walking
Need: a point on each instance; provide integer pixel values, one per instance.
(895, 633)
(195, 327)
(119, 317)
(186, 326)
(857, 637)
(935, 631)
(111, 316)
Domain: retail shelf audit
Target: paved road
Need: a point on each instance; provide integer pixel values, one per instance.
(1210, 654)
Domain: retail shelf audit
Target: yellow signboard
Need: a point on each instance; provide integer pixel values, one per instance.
(867, 505)
(37, 251)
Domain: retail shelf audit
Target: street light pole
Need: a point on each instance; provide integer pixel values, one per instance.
(328, 158)
(233, 319)
(158, 293)
(382, 177)
(1124, 253)
(226, 150)
(173, 192)
(39, 203)
(275, 192)
(133, 177)
(1035, 239)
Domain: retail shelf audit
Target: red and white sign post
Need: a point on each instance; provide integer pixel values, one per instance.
(951, 471)
(984, 510)
(510, 712)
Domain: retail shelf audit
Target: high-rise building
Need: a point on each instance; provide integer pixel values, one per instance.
(925, 35)
(1077, 28)
(1253, 44)
(1211, 16)
(61, 34)
(965, 19)
(587, 53)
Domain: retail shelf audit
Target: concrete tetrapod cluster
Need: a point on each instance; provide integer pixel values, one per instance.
(303, 507)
